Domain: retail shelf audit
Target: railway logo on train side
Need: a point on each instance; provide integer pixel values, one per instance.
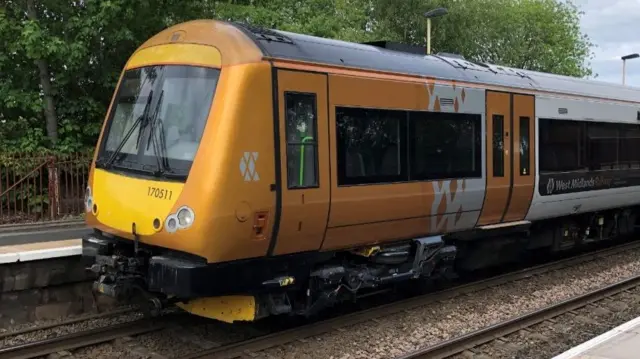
(248, 167)
(551, 185)
(563, 183)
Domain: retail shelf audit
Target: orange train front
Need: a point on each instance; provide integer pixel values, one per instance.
(244, 172)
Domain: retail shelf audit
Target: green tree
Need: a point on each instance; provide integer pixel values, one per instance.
(61, 63)
(60, 59)
(341, 19)
(64, 57)
(539, 35)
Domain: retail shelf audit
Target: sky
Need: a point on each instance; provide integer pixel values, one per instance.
(614, 27)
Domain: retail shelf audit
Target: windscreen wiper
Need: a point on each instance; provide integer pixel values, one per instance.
(130, 132)
(153, 138)
(168, 171)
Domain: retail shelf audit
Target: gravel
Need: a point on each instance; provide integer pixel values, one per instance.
(58, 321)
(181, 340)
(38, 335)
(107, 351)
(176, 341)
(405, 332)
(554, 337)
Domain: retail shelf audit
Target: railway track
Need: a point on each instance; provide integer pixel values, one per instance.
(448, 348)
(496, 332)
(80, 319)
(81, 339)
(88, 338)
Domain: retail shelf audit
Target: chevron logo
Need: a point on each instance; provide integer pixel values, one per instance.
(248, 166)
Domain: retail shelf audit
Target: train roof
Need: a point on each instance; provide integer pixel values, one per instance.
(292, 46)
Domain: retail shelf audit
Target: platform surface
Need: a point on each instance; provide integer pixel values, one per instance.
(622, 342)
(40, 250)
(44, 234)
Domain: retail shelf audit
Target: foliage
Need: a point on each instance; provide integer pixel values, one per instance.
(539, 35)
(84, 45)
(342, 19)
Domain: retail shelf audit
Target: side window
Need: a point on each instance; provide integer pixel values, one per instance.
(302, 145)
(630, 146)
(371, 146)
(444, 145)
(498, 146)
(562, 145)
(603, 146)
(525, 149)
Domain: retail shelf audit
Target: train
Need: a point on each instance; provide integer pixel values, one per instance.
(244, 172)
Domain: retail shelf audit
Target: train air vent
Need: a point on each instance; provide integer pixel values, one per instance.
(563, 111)
(446, 101)
(265, 34)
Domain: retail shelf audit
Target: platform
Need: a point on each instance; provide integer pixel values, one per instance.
(41, 232)
(622, 342)
(46, 281)
(40, 250)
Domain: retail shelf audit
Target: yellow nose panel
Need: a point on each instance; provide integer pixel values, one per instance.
(122, 201)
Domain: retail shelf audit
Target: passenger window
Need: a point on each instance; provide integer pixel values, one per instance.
(562, 145)
(630, 146)
(603, 145)
(498, 146)
(302, 145)
(445, 145)
(524, 147)
(371, 146)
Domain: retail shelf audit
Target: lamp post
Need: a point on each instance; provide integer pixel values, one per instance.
(429, 15)
(624, 65)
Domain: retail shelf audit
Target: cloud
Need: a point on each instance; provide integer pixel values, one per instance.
(612, 25)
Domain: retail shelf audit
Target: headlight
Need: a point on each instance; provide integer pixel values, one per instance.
(181, 220)
(185, 217)
(172, 224)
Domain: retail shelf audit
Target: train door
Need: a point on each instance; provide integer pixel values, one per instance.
(304, 165)
(523, 174)
(509, 149)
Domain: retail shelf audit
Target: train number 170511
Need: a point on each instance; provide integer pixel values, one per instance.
(159, 193)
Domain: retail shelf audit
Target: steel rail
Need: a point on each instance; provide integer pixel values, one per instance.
(80, 339)
(458, 345)
(113, 313)
(238, 349)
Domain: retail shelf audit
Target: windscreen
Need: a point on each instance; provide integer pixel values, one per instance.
(158, 119)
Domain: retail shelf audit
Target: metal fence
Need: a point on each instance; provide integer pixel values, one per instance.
(41, 187)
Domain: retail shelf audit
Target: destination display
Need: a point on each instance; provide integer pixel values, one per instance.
(561, 183)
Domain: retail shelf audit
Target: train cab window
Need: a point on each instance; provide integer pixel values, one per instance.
(444, 145)
(561, 145)
(371, 146)
(498, 146)
(302, 145)
(525, 150)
